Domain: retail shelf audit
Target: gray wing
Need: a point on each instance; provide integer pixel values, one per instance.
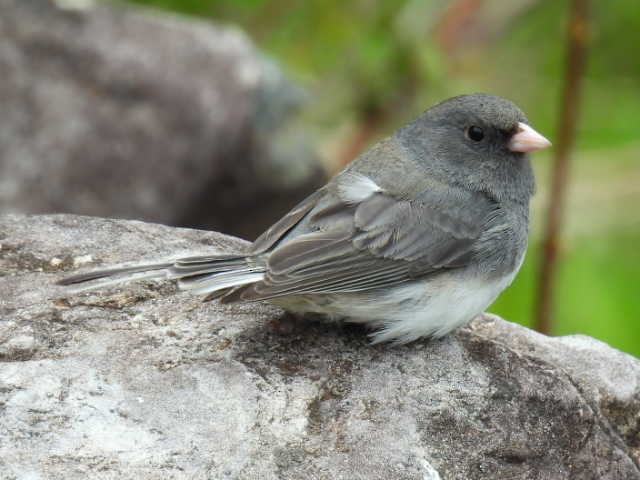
(377, 242)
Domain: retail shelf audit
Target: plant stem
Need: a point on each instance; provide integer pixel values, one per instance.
(577, 40)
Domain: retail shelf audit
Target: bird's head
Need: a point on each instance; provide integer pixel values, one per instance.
(480, 141)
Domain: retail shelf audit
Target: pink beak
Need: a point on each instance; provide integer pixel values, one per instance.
(526, 139)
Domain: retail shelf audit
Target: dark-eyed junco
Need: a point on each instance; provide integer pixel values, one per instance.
(415, 237)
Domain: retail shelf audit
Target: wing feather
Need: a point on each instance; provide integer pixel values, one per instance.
(376, 242)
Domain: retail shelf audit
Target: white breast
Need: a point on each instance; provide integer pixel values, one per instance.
(435, 308)
(405, 313)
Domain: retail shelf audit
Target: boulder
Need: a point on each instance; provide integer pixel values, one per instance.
(142, 381)
(117, 112)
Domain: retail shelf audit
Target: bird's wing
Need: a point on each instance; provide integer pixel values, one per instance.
(374, 242)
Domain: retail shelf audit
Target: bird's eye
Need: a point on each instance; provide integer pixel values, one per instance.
(475, 133)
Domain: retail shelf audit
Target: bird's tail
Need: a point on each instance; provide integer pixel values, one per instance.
(212, 275)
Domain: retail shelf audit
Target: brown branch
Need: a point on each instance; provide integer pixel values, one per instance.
(456, 20)
(578, 39)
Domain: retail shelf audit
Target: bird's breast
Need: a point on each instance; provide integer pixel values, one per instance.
(431, 307)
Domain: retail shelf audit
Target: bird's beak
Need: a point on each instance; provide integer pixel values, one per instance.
(526, 139)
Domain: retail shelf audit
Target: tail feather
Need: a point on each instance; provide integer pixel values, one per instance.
(219, 294)
(184, 267)
(112, 272)
(104, 281)
(225, 281)
(202, 275)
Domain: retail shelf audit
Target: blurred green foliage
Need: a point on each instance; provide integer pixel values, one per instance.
(597, 290)
(377, 63)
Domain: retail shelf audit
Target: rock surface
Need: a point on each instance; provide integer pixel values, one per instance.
(147, 383)
(120, 113)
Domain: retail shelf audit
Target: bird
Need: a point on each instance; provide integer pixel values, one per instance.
(413, 238)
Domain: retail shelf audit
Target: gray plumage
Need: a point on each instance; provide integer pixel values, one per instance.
(426, 209)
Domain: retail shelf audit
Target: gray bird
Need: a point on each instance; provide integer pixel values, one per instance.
(414, 238)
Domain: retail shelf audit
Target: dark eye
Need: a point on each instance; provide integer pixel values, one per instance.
(475, 133)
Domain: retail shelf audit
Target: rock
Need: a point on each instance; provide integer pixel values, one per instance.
(112, 111)
(145, 382)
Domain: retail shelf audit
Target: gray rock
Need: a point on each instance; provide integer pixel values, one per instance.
(115, 112)
(146, 382)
